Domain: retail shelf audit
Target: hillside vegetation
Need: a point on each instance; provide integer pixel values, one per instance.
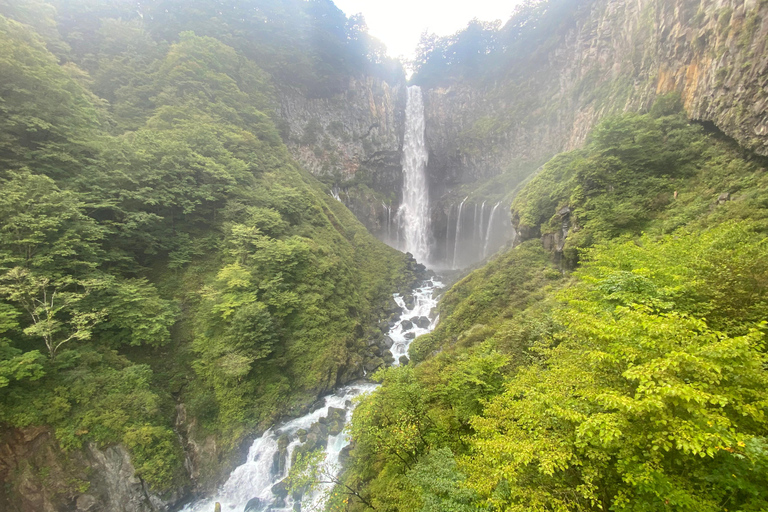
(158, 246)
(626, 373)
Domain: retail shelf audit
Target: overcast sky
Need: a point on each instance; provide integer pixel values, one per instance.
(400, 23)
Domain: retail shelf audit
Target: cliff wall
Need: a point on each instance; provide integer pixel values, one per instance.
(616, 55)
(352, 141)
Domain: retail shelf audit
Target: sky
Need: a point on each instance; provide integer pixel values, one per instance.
(400, 23)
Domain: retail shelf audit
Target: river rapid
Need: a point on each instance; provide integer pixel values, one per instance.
(256, 486)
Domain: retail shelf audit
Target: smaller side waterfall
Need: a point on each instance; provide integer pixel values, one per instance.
(488, 232)
(458, 234)
(480, 224)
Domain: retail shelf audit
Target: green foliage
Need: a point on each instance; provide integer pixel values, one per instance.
(635, 407)
(440, 483)
(637, 173)
(155, 235)
(635, 383)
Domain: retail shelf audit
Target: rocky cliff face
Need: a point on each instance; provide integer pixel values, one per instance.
(614, 56)
(617, 55)
(42, 478)
(352, 141)
(484, 138)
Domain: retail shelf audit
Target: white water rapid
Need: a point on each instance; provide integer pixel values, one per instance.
(413, 214)
(267, 465)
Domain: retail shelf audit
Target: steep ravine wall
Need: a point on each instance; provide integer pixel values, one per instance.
(43, 478)
(485, 137)
(617, 55)
(352, 141)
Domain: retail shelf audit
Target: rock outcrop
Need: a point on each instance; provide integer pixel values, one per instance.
(353, 142)
(43, 478)
(615, 56)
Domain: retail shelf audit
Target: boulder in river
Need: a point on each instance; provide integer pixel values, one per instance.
(280, 489)
(404, 360)
(406, 325)
(254, 505)
(373, 364)
(421, 322)
(410, 335)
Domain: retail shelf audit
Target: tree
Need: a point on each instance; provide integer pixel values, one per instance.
(52, 305)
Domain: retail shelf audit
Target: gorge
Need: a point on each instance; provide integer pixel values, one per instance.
(221, 224)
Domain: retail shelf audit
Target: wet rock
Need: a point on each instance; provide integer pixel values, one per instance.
(344, 454)
(317, 404)
(317, 437)
(409, 301)
(254, 505)
(392, 307)
(421, 322)
(387, 342)
(410, 335)
(336, 419)
(388, 358)
(281, 456)
(373, 364)
(384, 326)
(404, 360)
(406, 325)
(302, 435)
(86, 503)
(280, 489)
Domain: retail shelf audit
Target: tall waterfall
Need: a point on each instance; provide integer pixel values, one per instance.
(413, 214)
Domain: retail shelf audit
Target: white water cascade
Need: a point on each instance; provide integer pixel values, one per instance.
(267, 465)
(458, 234)
(488, 233)
(413, 214)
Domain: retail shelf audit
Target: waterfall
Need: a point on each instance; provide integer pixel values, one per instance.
(480, 226)
(389, 214)
(413, 214)
(488, 232)
(458, 232)
(448, 234)
(269, 457)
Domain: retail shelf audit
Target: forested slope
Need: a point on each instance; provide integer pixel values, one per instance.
(613, 360)
(170, 279)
